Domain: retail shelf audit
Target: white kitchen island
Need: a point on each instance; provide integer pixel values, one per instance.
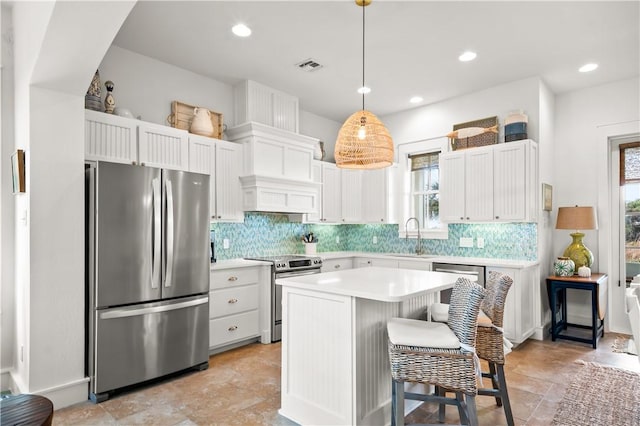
(335, 367)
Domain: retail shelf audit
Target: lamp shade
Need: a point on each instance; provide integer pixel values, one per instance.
(363, 143)
(577, 218)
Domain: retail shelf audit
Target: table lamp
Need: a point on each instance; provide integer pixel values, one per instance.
(577, 218)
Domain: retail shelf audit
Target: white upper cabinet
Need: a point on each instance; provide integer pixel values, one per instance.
(126, 140)
(351, 196)
(162, 146)
(261, 104)
(491, 183)
(331, 193)
(222, 160)
(316, 171)
(110, 138)
(228, 160)
(375, 196)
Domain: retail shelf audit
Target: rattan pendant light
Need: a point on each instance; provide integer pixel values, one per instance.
(363, 141)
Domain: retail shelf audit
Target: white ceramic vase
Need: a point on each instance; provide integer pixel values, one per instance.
(201, 123)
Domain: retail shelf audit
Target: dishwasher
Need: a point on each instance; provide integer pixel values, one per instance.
(478, 271)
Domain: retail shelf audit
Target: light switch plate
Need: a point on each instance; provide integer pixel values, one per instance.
(337, 239)
(225, 243)
(480, 242)
(466, 241)
(375, 239)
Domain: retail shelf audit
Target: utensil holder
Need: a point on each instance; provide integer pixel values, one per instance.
(310, 248)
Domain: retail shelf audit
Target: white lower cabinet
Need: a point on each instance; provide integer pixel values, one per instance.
(330, 265)
(522, 302)
(237, 306)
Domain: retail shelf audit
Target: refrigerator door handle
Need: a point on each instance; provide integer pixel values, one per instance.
(156, 234)
(169, 235)
(134, 311)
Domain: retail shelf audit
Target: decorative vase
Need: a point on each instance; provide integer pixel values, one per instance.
(584, 271)
(92, 100)
(201, 123)
(318, 152)
(109, 100)
(564, 267)
(577, 252)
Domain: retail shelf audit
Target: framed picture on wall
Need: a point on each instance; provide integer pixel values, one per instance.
(17, 171)
(547, 197)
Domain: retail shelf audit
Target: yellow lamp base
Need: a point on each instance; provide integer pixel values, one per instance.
(577, 252)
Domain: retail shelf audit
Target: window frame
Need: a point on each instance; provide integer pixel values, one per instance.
(405, 189)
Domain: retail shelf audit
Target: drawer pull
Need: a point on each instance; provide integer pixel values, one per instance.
(233, 301)
(337, 266)
(232, 278)
(233, 328)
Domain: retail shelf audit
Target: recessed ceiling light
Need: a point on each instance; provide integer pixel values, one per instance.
(416, 100)
(364, 90)
(467, 56)
(241, 30)
(588, 67)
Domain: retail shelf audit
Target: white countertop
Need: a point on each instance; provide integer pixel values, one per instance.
(237, 263)
(480, 261)
(374, 283)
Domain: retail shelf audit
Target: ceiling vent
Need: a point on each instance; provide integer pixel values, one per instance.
(309, 65)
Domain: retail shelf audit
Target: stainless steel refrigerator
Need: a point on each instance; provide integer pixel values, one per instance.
(147, 274)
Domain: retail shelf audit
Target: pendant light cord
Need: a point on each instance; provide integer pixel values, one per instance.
(363, 26)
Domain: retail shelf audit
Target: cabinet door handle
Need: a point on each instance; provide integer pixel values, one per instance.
(233, 301)
(337, 266)
(233, 328)
(232, 278)
(497, 217)
(467, 217)
(462, 218)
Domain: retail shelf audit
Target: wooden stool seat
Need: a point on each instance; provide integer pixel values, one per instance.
(26, 410)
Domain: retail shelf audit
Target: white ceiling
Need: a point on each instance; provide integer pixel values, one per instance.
(411, 46)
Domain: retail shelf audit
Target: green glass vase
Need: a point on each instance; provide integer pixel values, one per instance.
(577, 252)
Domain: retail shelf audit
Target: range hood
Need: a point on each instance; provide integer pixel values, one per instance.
(278, 173)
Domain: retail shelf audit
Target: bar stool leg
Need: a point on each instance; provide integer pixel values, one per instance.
(397, 403)
(472, 413)
(494, 382)
(461, 411)
(442, 407)
(505, 394)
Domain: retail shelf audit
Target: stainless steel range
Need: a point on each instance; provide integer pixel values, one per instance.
(285, 266)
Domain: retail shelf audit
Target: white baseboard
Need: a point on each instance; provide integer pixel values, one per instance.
(62, 395)
(6, 382)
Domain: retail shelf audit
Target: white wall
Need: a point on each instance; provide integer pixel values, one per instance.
(437, 119)
(147, 87)
(53, 49)
(7, 294)
(322, 128)
(577, 160)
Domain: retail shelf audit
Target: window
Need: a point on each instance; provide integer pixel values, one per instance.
(630, 183)
(425, 189)
(417, 189)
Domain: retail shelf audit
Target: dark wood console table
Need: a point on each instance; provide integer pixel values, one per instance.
(557, 290)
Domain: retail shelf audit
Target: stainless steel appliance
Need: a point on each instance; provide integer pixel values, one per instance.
(283, 267)
(479, 271)
(147, 274)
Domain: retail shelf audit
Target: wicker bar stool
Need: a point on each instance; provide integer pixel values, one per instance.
(490, 341)
(438, 354)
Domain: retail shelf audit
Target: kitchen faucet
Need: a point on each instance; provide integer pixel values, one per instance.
(406, 234)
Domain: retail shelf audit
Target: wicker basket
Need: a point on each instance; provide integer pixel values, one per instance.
(479, 140)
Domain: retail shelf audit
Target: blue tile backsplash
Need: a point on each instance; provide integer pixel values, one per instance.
(264, 234)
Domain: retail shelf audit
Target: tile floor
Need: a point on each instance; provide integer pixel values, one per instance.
(242, 387)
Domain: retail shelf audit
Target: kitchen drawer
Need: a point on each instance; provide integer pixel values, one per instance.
(234, 277)
(330, 265)
(233, 300)
(233, 328)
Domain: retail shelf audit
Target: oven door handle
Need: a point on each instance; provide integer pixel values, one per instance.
(297, 273)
